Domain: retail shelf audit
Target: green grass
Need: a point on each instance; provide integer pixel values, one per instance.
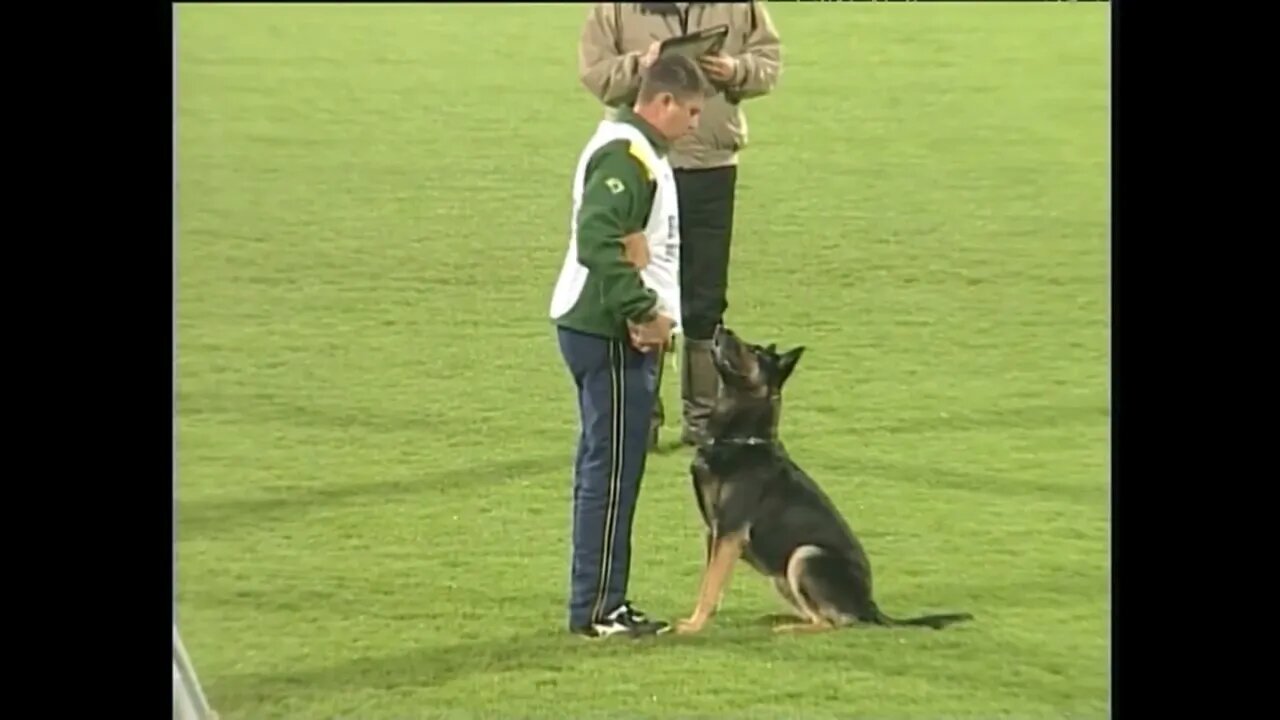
(376, 429)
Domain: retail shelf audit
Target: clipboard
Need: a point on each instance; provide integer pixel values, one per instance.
(695, 45)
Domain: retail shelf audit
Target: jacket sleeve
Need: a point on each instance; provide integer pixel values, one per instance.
(760, 63)
(615, 203)
(613, 77)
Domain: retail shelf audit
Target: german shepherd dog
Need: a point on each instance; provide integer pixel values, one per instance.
(760, 506)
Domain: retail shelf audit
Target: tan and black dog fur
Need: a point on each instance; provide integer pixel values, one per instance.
(758, 505)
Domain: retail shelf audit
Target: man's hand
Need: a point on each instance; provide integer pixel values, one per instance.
(719, 67)
(654, 335)
(650, 55)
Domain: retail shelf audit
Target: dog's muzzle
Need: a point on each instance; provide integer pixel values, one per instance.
(718, 337)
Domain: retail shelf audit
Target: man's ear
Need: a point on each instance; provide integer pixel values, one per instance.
(787, 363)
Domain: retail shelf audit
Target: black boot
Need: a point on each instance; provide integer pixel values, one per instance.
(699, 387)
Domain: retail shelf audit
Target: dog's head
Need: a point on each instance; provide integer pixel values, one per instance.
(749, 369)
(751, 377)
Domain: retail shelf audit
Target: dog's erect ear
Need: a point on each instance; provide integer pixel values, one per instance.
(787, 363)
(772, 349)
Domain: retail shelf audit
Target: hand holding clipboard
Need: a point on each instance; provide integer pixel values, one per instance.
(704, 47)
(695, 45)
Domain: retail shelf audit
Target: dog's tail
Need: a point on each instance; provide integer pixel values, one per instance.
(937, 622)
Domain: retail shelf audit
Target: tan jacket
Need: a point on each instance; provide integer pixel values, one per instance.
(617, 34)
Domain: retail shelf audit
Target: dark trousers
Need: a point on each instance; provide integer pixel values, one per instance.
(616, 390)
(706, 227)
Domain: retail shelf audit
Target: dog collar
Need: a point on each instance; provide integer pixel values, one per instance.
(740, 441)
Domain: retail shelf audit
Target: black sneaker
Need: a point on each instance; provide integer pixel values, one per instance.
(626, 621)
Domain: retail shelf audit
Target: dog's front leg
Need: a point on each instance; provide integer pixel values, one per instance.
(706, 565)
(725, 552)
(705, 575)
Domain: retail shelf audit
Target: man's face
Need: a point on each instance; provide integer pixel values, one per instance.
(676, 118)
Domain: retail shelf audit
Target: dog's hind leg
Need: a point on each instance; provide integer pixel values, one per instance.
(800, 585)
(833, 591)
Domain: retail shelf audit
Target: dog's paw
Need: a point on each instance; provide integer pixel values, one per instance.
(689, 626)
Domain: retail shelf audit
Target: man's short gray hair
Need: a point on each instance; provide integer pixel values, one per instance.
(675, 74)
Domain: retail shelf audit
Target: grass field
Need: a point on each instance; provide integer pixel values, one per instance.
(376, 430)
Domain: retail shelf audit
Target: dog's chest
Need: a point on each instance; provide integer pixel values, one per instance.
(727, 495)
(706, 485)
(751, 554)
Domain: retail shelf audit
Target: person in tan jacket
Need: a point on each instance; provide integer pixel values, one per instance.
(618, 41)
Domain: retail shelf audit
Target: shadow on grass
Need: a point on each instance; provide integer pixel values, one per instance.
(201, 519)
(1027, 417)
(435, 666)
